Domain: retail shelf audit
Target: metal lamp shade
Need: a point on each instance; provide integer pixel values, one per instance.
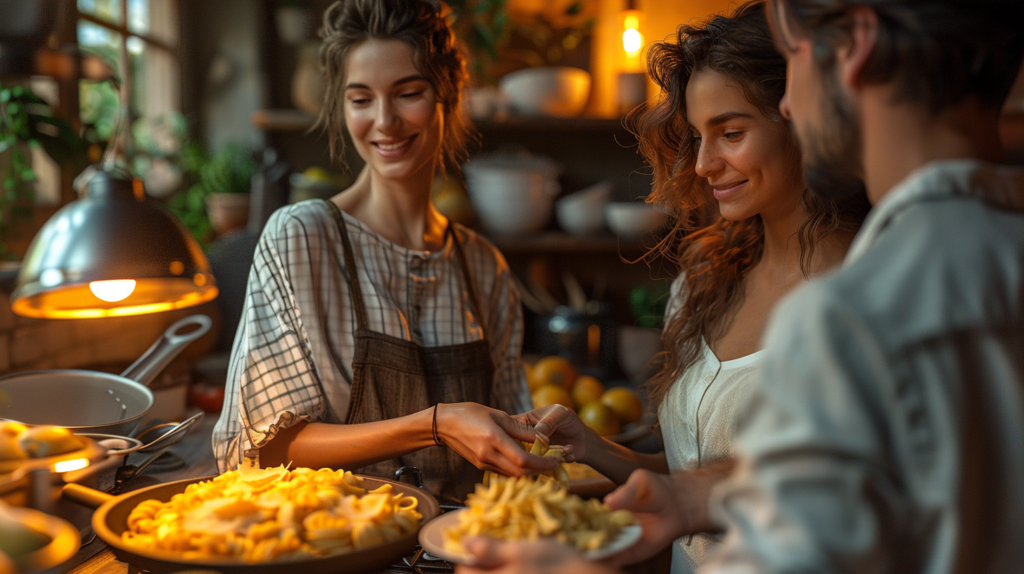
(112, 233)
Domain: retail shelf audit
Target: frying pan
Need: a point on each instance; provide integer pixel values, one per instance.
(111, 519)
(90, 401)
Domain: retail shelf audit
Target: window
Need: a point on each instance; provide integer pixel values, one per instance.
(148, 30)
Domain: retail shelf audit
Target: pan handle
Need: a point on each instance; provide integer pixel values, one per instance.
(85, 496)
(166, 348)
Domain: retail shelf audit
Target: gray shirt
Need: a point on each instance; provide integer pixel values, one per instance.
(886, 430)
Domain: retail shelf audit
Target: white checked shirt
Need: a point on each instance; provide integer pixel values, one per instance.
(297, 327)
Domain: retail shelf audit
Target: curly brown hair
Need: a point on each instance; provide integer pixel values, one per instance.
(715, 253)
(424, 26)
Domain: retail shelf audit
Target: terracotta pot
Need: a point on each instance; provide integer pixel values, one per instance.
(227, 211)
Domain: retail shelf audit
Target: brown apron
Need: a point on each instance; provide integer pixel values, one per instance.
(392, 377)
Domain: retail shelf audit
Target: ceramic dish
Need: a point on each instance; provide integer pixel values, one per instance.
(432, 540)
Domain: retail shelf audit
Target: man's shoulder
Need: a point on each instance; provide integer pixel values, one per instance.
(939, 267)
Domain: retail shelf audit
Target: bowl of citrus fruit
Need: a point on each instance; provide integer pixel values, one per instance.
(615, 413)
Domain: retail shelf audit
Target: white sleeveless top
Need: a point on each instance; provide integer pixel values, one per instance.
(698, 418)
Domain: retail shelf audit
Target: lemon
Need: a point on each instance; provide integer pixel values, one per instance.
(624, 403)
(586, 390)
(600, 418)
(551, 395)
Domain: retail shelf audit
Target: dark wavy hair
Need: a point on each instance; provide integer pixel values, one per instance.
(936, 53)
(423, 25)
(715, 253)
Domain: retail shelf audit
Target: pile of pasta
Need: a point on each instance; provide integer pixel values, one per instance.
(259, 515)
(527, 508)
(541, 447)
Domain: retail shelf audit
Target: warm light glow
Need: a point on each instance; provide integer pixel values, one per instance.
(112, 291)
(632, 41)
(69, 465)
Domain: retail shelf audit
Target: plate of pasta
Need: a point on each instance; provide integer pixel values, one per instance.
(530, 508)
(263, 520)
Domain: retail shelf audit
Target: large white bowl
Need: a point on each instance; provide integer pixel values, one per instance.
(582, 213)
(634, 219)
(555, 91)
(512, 195)
(513, 216)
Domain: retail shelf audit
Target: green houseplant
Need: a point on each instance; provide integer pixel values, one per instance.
(218, 180)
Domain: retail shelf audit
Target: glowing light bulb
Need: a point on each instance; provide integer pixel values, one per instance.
(112, 291)
(632, 41)
(69, 465)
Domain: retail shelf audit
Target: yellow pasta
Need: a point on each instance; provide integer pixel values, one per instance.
(273, 514)
(530, 508)
(541, 448)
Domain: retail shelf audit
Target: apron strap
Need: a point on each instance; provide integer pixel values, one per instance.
(350, 265)
(467, 277)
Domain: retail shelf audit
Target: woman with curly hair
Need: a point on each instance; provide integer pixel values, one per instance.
(376, 333)
(747, 232)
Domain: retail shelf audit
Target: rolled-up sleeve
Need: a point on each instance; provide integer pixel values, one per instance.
(272, 381)
(814, 491)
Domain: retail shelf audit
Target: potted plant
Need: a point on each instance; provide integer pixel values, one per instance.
(640, 343)
(217, 202)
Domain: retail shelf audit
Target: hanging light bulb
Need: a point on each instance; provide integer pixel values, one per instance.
(632, 39)
(112, 290)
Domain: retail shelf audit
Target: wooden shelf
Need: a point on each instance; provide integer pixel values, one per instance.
(535, 124)
(282, 120)
(560, 242)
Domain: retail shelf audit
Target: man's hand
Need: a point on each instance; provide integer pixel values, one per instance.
(541, 557)
(651, 498)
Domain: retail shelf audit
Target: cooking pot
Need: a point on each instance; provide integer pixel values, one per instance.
(90, 401)
(111, 520)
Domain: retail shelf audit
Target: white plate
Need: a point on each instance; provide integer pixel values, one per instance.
(432, 540)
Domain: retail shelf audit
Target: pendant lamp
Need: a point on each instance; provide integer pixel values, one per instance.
(113, 252)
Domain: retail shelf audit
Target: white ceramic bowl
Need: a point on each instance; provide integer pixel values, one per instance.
(633, 219)
(513, 216)
(582, 213)
(512, 195)
(554, 91)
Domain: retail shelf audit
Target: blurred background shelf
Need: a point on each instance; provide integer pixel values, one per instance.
(283, 120)
(552, 242)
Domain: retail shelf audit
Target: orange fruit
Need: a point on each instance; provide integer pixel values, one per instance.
(531, 379)
(586, 390)
(600, 418)
(624, 403)
(552, 395)
(555, 371)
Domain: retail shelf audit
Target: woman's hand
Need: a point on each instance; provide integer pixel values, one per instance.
(487, 438)
(541, 557)
(560, 426)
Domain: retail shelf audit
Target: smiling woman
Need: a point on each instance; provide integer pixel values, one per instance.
(748, 232)
(377, 334)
